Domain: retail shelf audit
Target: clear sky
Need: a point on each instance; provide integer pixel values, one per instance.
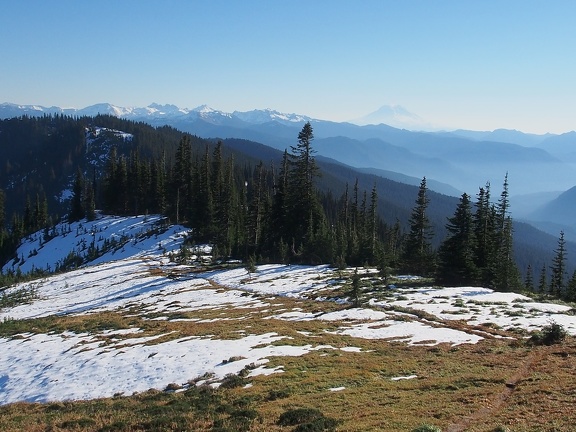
(478, 65)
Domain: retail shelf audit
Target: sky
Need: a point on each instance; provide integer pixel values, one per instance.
(479, 65)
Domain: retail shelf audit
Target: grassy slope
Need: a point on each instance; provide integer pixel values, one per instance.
(495, 383)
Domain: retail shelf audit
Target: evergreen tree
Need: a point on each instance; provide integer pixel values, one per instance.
(3, 231)
(279, 214)
(182, 180)
(373, 224)
(418, 256)
(355, 291)
(529, 280)
(2, 211)
(506, 273)
(571, 288)
(456, 254)
(77, 210)
(204, 203)
(485, 235)
(304, 211)
(558, 268)
(542, 280)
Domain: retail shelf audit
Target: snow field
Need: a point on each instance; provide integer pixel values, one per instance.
(134, 280)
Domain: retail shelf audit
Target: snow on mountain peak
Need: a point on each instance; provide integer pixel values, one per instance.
(395, 116)
(267, 115)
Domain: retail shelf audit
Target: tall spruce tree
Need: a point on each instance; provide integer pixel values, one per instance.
(77, 209)
(418, 256)
(529, 280)
(304, 210)
(507, 276)
(571, 289)
(542, 280)
(457, 252)
(558, 268)
(485, 234)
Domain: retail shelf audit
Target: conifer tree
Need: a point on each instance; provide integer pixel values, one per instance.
(485, 234)
(542, 280)
(3, 231)
(204, 203)
(506, 273)
(355, 291)
(159, 180)
(418, 256)
(77, 210)
(456, 254)
(571, 289)
(304, 210)
(280, 235)
(2, 210)
(182, 180)
(373, 223)
(558, 268)
(529, 280)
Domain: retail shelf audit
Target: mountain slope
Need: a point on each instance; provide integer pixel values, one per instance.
(473, 162)
(136, 320)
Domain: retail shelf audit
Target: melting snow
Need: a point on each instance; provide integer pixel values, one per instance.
(133, 277)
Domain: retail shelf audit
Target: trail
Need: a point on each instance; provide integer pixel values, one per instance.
(500, 399)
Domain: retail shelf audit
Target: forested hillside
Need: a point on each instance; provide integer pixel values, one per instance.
(246, 199)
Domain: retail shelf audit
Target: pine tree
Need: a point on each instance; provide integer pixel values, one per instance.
(542, 280)
(304, 211)
(355, 291)
(456, 254)
(571, 288)
(507, 277)
(3, 231)
(485, 234)
(2, 210)
(373, 224)
(77, 210)
(279, 213)
(418, 256)
(558, 268)
(529, 280)
(204, 202)
(182, 180)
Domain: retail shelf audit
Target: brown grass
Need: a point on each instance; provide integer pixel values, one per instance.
(469, 387)
(496, 384)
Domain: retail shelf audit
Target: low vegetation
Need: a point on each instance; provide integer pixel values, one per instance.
(495, 385)
(506, 382)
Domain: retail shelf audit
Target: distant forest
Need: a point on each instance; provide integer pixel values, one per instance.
(256, 211)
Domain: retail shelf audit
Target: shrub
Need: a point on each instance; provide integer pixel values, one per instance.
(307, 420)
(277, 394)
(550, 334)
(297, 416)
(318, 425)
(232, 381)
(427, 428)
(78, 423)
(238, 421)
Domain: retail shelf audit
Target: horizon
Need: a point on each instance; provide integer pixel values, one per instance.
(456, 65)
(353, 121)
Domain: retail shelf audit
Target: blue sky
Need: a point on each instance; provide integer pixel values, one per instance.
(478, 65)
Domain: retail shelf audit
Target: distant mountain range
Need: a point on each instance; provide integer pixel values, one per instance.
(393, 160)
(453, 161)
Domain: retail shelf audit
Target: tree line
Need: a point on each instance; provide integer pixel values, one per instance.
(269, 213)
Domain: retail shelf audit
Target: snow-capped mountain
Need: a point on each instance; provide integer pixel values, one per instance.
(395, 116)
(264, 116)
(156, 111)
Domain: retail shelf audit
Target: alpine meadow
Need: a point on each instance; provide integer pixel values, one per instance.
(287, 216)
